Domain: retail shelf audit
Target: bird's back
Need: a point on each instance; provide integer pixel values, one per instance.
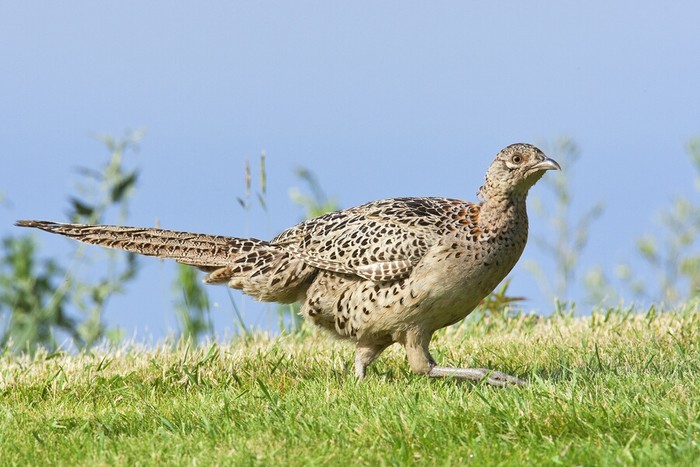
(382, 240)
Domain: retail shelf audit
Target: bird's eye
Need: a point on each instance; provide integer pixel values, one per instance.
(517, 158)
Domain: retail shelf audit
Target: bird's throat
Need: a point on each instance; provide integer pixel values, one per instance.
(500, 209)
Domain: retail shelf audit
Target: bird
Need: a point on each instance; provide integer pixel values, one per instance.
(389, 271)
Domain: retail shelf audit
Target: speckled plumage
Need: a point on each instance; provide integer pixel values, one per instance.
(393, 270)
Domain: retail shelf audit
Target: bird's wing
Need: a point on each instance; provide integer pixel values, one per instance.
(379, 241)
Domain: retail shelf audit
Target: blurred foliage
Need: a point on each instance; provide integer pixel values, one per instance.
(499, 303)
(568, 237)
(36, 295)
(30, 306)
(193, 309)
(100, 191)
(316, 203)
(673, 251)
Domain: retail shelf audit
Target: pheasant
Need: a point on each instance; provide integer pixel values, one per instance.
(389, 271)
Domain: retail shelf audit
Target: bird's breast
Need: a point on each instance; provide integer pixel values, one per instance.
(456, 275)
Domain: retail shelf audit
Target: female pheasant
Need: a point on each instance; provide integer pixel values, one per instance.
(388, 271)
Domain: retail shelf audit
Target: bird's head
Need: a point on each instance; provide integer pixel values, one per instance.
(515, 169)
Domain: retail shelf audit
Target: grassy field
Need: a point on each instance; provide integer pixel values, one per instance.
(611, 388)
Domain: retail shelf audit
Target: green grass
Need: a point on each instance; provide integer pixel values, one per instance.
(611, 388)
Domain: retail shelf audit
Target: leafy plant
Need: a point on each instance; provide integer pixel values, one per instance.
(316, 203)
(499, 302)
(37, 295)
(193, 308)
(674, 255)
(30, 305)
(569, 238)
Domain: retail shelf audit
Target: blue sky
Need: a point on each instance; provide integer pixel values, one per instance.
(380, 99)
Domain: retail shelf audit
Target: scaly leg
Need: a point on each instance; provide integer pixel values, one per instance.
(422, 362)
(365, 354)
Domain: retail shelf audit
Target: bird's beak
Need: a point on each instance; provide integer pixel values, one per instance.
(546, 164)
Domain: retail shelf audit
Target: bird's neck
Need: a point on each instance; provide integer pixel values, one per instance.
(498, 210)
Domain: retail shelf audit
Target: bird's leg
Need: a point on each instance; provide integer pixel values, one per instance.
(364, 355)
(495, 378)
(422, 362)
(416, 345)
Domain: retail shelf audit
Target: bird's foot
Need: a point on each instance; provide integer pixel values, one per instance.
(495, 378)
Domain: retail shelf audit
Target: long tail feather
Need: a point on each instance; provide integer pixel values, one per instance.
(200, 250)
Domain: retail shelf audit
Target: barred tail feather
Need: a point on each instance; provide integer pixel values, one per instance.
(264, 271)
(200, 250)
